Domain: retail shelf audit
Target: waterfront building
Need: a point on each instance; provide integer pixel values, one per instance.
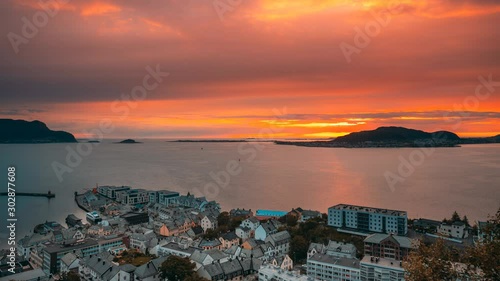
(163, 197)
(368, 219)
(133, 196)
(111, 191)
(380, 269)
(270, 214)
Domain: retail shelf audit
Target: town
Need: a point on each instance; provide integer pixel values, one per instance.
(136, 234)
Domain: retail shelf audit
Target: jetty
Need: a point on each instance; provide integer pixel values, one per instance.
(32, 194)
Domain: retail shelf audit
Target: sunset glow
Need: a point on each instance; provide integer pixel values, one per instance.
(233, 67)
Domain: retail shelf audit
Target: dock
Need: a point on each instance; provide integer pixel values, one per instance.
(32, 194)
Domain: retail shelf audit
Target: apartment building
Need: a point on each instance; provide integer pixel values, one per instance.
(368, 219)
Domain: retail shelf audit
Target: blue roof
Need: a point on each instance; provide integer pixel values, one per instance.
(270, 213)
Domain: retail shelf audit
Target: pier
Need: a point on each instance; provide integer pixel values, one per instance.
(32, 194)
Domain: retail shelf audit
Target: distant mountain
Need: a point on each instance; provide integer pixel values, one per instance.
(128, 141)
(397, 134)
(21, 131)
(387, 137)
(495, 139)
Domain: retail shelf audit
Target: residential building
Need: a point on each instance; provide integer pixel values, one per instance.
(202, 258)
(380, 269)
(251, 223)
(304, 215)
(283, 262)
(388, 246)
(143, 241)
(208, 222)
(280, 242)
(368, 219)
(243, 232)
(335, 249)
(241, 213)
(175, 249)
(266, 229)
(457, 230)
(31, 275)
(149, 271)
(52, 253)
(69, 262)
(108, 242)
(270, 272)
(210, 244)
(25, 244)
(229, 239)
(230, 270)
(330, 268)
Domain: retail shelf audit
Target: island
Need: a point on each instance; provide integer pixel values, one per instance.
(128, 141)
(208, 141)
(22, 131)
(386, 137)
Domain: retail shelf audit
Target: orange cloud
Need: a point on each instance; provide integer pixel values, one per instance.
(99, 8)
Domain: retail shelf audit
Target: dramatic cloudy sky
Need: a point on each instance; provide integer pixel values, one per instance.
(234, 63)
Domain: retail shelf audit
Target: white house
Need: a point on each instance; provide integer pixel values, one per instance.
(251, 223)
(208, 222)
(283, 262)
(266, 229)
(243, 232)
(456, 230)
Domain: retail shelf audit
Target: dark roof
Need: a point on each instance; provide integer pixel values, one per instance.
(198, 230)
(230, 236)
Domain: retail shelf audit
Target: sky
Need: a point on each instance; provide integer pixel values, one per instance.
(261, 68)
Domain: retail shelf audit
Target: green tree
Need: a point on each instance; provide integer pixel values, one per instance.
(455, 217)
(298, 248)
(195, 277)
(431, 263)
(223, 219)
(466, 220)
(291, 220)
(177, 268)
(485, 256)
(70, 276)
